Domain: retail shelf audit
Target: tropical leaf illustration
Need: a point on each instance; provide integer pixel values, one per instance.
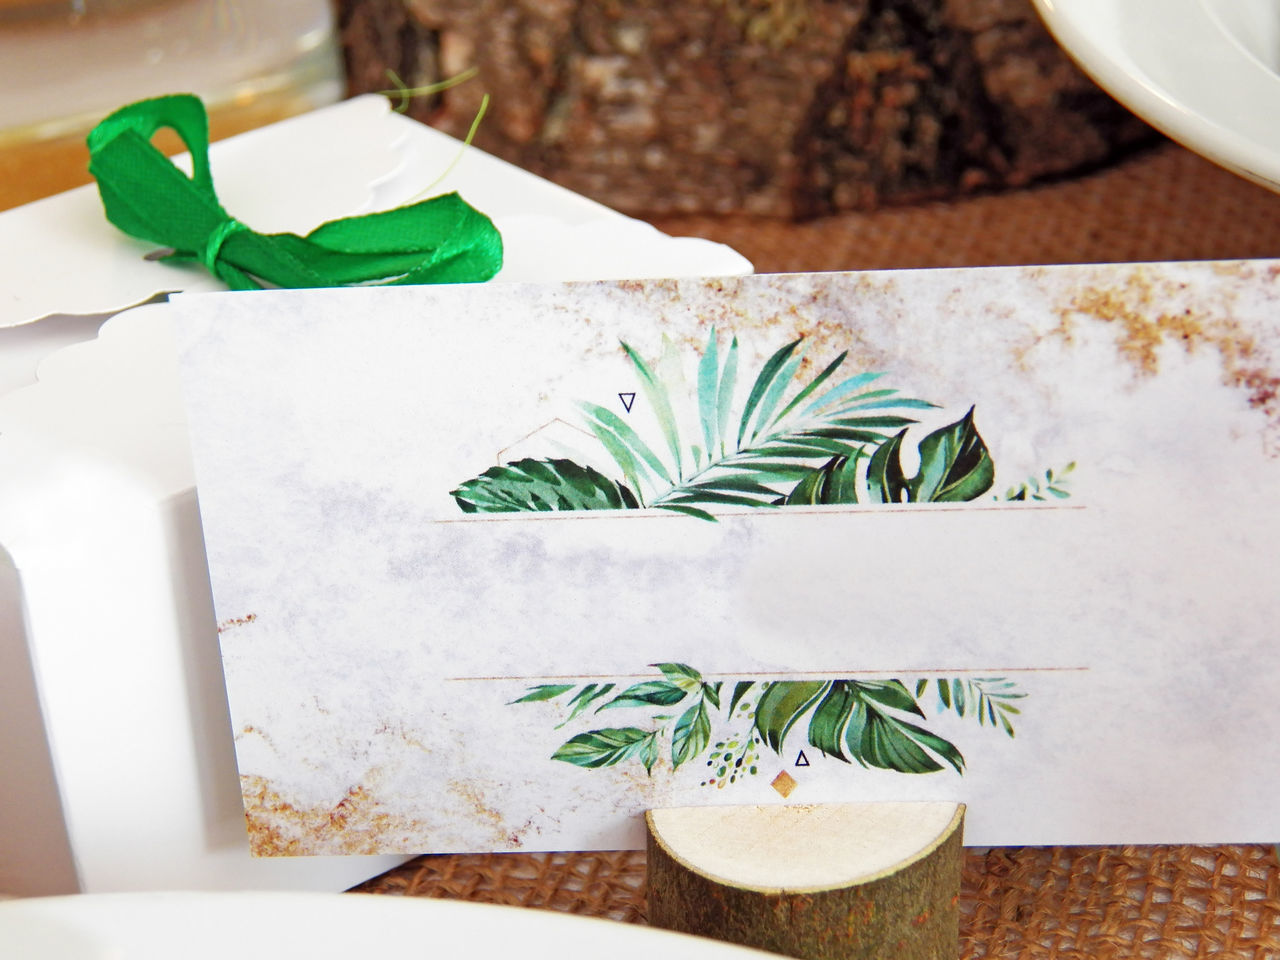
(954, 465)
(609, 746)
(989, 699)
(692, 733)
(829, 440)
(836, 481)
(584, 698)
(1054, 484)
(603, 748)
(861, 717)
(752, 456)
(528, 485)
(874, 723)
(544, 691)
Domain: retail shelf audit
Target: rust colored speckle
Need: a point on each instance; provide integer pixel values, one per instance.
(1263, 387)
(237, 622)
(860, 915)
(920, 919)
(784, 783)
(1130, 308)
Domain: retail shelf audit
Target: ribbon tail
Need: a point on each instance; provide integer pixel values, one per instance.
(442, 240)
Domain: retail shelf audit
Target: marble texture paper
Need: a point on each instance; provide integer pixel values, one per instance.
(499, 567)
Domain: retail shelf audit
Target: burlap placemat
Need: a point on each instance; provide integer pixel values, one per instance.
(1165, 204)
(1082, 903)
(1063, 903)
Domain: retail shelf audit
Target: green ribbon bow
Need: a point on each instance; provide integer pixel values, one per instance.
(441, 240)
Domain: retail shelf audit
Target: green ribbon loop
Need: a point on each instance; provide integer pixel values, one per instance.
(441, 240)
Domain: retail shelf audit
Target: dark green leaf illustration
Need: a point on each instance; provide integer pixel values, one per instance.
(858, 716)
(954, 466)
(585, 698)
(691, 735)
(890, 693)
(781, 705)
(604, 748)
(873, 723)
(655, 693)
(545, 691)
(877, 738)
(831, 717)
(740, 690)
(836, 481)
(542, 485)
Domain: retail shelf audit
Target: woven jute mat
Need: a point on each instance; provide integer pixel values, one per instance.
(1073, 903)
(1164, 204)
(1062, 903)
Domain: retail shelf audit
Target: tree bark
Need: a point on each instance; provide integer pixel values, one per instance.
(772, 107)
(849, 881)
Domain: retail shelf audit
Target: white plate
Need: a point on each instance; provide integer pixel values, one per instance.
(1202, 71)
(269, 926)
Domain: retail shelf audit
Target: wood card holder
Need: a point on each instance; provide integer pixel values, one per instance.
(854, 881)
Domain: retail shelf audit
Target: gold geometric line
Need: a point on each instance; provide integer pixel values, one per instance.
(782, 674)
(794, 511)
(502, 453)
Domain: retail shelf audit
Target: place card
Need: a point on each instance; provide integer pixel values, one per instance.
(499, 567)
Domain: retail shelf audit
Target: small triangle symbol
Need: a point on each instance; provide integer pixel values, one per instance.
(627, 400)
(802, 760)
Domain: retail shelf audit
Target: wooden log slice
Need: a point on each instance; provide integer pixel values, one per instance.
(766, 107)
(855, 881)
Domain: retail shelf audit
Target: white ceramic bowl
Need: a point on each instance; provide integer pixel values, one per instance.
(1205, 72)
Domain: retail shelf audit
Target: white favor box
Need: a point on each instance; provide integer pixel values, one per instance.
(116, 764)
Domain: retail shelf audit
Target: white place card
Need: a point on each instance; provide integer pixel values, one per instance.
(499, 567)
